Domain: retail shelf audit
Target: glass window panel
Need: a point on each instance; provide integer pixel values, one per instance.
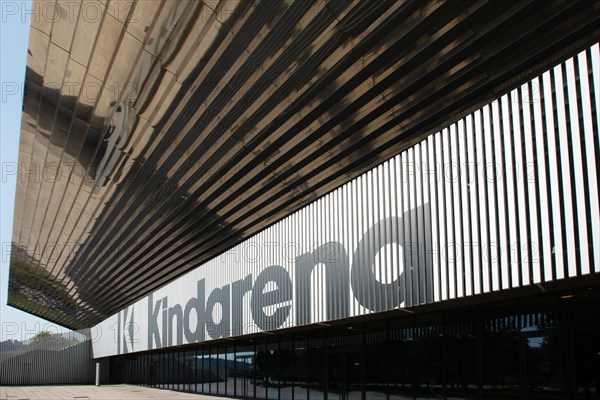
(402, 364)
(301, 360)
(230, 369)
(587, 360)
(244, 359)
(173, 370)
(501, 360)
(211, 370)
(461, 361)
(428, 346)
(153, 370)
(180, 367)
(287, 368)
(274, 371)
(316, 373)
(189, 357)
(543, 378)
(220, 370)
(204, 373)
(262, 372)
(377, 360)
(162, 369)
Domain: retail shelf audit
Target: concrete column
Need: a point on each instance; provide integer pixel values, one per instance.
(97, 373)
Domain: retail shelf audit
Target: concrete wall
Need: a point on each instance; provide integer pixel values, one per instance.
(56, 359)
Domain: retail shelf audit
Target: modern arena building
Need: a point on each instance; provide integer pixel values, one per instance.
(317, 200)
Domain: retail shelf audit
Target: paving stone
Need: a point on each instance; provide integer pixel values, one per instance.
(116, 392)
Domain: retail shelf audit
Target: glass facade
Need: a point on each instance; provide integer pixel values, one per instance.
(539, 348)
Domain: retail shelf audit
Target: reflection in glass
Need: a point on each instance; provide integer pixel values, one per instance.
(501, 361)
(453, 355)
(428, 348)
(244, 358)
(377, 360)
(401, 351)
(301, 359)
(543, 367)
(587, 370)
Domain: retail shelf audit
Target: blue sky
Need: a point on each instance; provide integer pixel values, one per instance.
(14, 35)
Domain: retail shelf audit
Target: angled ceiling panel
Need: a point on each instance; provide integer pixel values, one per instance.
(158, 135)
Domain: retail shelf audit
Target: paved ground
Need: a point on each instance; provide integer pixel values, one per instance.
(116, 392)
